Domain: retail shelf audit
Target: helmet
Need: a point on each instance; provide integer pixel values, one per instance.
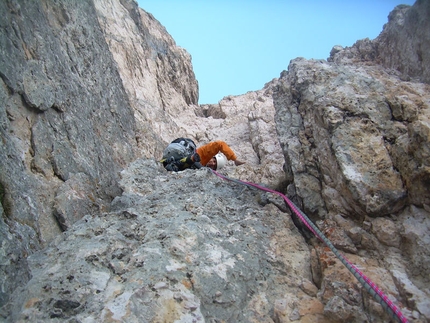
(221, 160)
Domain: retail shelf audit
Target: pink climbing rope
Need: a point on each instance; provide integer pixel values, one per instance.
(370, 286)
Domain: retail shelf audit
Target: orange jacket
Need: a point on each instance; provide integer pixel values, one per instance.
(206, 152)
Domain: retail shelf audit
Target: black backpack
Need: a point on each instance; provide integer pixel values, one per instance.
(180, 154)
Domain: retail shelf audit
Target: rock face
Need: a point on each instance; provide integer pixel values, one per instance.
(69, 123)
(163, 256)
(403, 45)
(246, 123)
(94, 230)
(346, 131)
(398, 50)
(65, 119)
(156, 74)
(348, 147)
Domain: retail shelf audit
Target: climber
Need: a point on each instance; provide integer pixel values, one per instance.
(215, 155)
(182, 153)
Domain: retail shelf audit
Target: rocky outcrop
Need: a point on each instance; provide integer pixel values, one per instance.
(355, 140)
(403, 45)
(348, 133)
(156, 74)
(348, 147)
(346, 139)
(65, 115)
(167, 255)
(69, 122)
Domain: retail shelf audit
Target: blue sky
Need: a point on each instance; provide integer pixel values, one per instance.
(239, 45)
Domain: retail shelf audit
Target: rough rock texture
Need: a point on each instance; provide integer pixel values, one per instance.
(64, 112)
(161, 256)
(348, 146)
(348, 133)
(246, 123)
(69, 123)
(403, 45)
(156, 74)
(95, 88)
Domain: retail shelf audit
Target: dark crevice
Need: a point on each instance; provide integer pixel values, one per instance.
(5, 201)
(7, 82)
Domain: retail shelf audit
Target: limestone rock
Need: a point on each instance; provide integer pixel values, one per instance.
(156, 74)
(386, 232)
(394, 48)
(70, 121)
(76, 198)
(163, 255)
(346, 131)
(65, 111)
(398, 50)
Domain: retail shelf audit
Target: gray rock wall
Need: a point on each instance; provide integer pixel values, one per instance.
(358, 162)
(157, 75)
(67, 127)
(403, 45)
(165, 254)
(353, 133)
(347, 133)
(68, 124)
